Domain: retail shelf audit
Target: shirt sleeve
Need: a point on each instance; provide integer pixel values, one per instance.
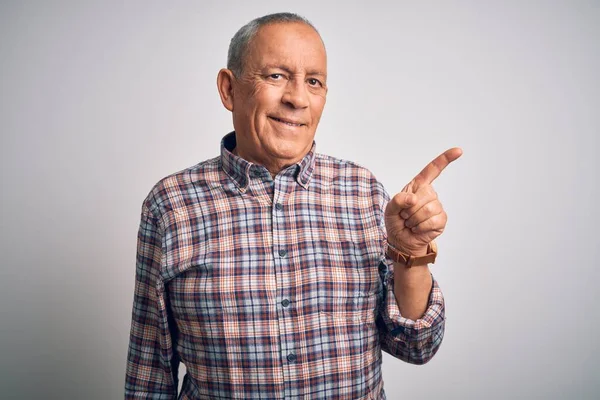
(415, 342)
(152, 367)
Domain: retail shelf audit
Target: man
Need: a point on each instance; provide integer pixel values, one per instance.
(268, 271)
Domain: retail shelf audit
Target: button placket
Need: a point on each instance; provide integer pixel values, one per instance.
(282, 258)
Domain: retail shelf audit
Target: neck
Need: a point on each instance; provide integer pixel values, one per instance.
(273, 166)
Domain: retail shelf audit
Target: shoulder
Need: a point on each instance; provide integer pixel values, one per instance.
(327, 165)
(351, 178)
(332, 169)
(177, 186)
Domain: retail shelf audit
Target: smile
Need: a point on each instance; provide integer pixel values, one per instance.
(289, 123)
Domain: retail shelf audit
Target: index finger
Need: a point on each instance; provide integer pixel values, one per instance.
(435, 168)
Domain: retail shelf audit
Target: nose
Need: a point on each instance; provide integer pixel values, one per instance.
(295, 95)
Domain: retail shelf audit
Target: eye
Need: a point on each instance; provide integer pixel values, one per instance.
(314, 82)
(275, 76)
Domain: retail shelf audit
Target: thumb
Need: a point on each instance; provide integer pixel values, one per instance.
(400, 201)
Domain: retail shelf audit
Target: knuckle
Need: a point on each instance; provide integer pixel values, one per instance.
(440, 219)
(432, 224)
(399, 199)
(438, 222)
(428, 208)
(430, 191)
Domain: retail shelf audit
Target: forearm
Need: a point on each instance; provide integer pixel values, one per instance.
(412, 287)
(413, 319)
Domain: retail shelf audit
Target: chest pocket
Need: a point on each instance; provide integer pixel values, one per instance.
(349, 284)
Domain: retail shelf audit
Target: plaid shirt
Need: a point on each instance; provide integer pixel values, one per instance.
(268, 288)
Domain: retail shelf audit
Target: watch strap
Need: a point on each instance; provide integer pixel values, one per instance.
(409, 260)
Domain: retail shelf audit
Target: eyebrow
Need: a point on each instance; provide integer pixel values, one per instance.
(289, 71)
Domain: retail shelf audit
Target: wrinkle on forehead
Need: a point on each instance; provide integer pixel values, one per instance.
(289, 48)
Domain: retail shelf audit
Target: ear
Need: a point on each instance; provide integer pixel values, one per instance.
(225, 80)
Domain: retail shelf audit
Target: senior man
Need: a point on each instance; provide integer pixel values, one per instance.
(275, 272)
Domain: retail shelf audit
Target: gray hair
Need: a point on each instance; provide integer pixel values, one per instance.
(240, 41)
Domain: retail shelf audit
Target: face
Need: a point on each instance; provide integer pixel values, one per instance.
(278, 101)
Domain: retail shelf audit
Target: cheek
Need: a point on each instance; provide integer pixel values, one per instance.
(267, 96)
(317, 106)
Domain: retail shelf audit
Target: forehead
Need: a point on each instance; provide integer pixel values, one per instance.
(295, 45)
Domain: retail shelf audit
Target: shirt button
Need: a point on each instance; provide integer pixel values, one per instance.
(279, 206)
(292, 357)
(285, 302)
(282, 253)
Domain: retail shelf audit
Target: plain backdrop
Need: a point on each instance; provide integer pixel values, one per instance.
(99, 100)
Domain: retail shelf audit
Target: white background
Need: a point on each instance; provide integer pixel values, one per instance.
(99, 100)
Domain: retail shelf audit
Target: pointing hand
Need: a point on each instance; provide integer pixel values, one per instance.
(414, 217)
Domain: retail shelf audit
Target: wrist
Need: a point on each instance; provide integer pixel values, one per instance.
(411, 278)
(413, 251)
(412, 257)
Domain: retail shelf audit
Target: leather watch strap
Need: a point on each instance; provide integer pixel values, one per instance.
(412, 261)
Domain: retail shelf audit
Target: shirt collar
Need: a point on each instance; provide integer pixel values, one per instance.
(240, 170)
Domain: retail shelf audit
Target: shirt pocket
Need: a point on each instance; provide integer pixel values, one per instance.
(360, 308)
(348, 275)
(349, 285)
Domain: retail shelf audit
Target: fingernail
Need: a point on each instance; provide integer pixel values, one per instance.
(404, 215)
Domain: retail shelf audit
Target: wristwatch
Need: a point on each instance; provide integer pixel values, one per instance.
(412, 261)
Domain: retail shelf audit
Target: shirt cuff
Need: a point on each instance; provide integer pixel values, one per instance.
(408, 330)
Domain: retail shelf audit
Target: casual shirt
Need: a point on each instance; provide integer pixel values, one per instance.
(269, 288)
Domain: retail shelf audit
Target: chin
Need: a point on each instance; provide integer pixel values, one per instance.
(291, 151)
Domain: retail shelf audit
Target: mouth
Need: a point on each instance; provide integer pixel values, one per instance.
(287, 122)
